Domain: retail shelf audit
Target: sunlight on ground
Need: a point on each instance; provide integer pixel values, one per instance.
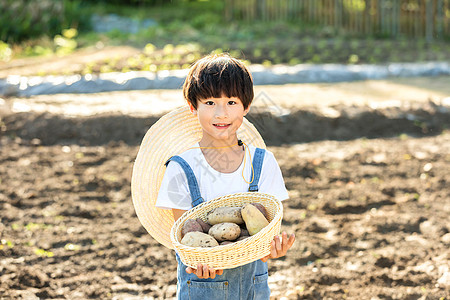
(358, 93)
(276, 99)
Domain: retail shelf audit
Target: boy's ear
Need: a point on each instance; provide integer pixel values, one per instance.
(193, 110)
(246, 110)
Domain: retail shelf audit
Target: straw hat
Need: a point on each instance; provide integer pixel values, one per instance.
(171, 135)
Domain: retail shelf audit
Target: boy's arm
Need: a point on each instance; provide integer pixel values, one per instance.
(177, 213)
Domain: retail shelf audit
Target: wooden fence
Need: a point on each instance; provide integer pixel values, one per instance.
(391, 18)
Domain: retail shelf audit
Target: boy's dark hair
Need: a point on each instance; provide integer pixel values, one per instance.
(216, 76)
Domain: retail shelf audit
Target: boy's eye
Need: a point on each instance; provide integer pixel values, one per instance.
(231, 102)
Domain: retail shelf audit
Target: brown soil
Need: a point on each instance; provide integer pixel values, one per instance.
(369, 205)
(69, 64)
(371, 219)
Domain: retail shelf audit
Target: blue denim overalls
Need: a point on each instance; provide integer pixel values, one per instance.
(244, 282)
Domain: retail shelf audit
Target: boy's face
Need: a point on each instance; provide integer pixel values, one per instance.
(220, 118)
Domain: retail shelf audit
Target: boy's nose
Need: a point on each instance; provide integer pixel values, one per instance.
(221, 112)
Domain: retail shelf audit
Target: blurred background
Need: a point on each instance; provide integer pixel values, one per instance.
(173, 34)
(351, 96)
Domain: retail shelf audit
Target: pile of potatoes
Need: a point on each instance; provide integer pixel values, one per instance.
(224, 225)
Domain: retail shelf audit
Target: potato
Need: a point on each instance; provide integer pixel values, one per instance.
(261, 209)
(199, 239)
(226, 243)
(242, 238)
(225, 215)
(225, 231)
(254, 219)
(205, 226)
(190, 226)
(244, 232)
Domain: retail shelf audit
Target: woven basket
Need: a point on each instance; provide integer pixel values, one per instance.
(235, 254)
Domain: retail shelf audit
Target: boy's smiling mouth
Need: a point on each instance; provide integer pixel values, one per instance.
(221, 125)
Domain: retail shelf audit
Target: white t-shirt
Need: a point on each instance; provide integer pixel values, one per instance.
(174, 191)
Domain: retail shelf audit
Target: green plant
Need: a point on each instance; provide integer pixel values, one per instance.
(42, 252)
(204, 20)
(316, 58)
(7, 243)
(355, 5)
(353, 59)
(65, 43)
(5, 51)
(22, 20)
(294, 61)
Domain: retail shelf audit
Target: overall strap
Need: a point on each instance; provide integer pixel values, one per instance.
(257, 167)
(192, 180)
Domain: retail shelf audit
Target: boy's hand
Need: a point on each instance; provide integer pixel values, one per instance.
(204, 272)
(279, 248)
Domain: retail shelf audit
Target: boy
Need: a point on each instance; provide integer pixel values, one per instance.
(219, 91)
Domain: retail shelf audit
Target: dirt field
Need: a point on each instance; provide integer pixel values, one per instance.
(369, 205)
